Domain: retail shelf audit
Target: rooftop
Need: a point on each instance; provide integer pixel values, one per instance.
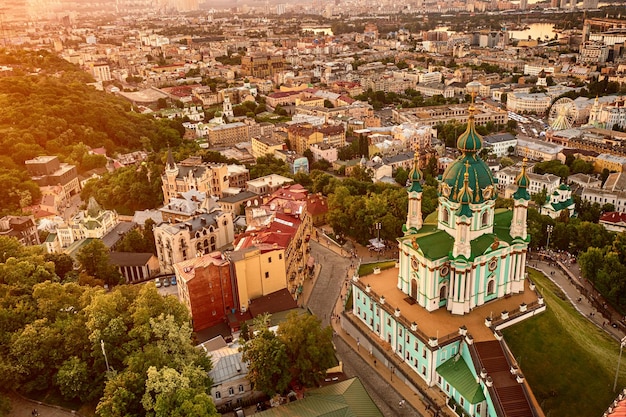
(441, 322)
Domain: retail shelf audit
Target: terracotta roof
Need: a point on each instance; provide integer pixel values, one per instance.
(613, 217)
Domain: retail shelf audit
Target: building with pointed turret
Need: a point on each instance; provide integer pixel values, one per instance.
(92, 223)
(460, 279)
(193, 174)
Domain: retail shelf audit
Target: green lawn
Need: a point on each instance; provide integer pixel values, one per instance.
(366, 269)
(569, 362)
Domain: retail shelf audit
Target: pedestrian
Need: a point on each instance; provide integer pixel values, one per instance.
(374, 363)
(400, 404)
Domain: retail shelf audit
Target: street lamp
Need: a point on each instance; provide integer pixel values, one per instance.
(622, 343)
(105, 354)
(549, 229)
(378, 226)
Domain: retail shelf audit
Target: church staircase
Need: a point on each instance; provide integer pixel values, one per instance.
(510, 395)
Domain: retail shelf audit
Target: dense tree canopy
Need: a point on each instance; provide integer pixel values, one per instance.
(300, 352)
(53, 337)
(49, 109)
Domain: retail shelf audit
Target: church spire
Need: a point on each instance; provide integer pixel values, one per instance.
(415, 175)
(414, 219)
(470, 141)
(521, 198)
(171, 164)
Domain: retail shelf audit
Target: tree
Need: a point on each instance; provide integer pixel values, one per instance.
(95, 261)
(173, 393)
(268, 363)
(401, 176)
(309, 347)
(328, 104)
(591, 262)
(72, 379)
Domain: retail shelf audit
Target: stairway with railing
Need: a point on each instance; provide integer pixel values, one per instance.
(509, 392)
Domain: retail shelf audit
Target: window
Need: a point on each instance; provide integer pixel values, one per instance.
(267, 275)
(269, 260)
(478, 408)
(439, 379)
(447, 387)
(491, 287)
(371, 322)
(399, 349)
(408, 355)
(218, 395)
(388, 321)
(407, 338)
(445, 215)
(358, 295)
(231, 391)
(424, 353)
(241, 389)
(424, 370)
(358, 311)
(377, 328)
(280, 256)
(400, 332)
(485, 219)
(462, 401)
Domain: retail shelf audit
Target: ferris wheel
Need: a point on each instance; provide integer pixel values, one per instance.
(563, 114)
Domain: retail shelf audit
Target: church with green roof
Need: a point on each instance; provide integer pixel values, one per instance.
(467, 253)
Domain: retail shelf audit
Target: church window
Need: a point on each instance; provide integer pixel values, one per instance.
(377, 328)
(478, 409)
(491, 287)
(424, 353)
(358, 311)
(439, 379)
(485, 219)
(371, 322)
(424, 370)
(443, 293)
(400, 332)
(462, 401)
(445, 215)
(388, 321)
(399, 348)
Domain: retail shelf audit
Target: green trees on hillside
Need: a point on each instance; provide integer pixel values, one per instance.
(54, 337)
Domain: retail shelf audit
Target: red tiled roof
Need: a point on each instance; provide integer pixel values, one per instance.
(282, 94)
(316, 205)
(613, 217)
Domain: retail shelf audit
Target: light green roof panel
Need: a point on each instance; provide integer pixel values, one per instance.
(434, 245)
(343, 399)
(458, 374)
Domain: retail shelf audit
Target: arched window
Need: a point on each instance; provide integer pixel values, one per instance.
(218, 395)
(443, 293)
(485, 219)
(491, 285)
(445, 215)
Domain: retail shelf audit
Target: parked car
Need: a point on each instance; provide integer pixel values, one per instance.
(157, 282)
(166, 282)
(173, 280)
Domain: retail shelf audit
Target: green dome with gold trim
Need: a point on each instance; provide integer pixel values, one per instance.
(480, 180)
(479, 177)
(470, 140)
